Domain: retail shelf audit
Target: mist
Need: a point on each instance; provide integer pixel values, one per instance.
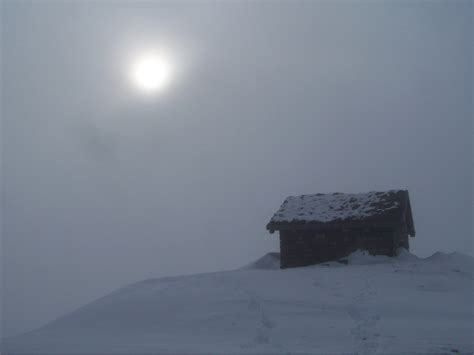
(103, 186)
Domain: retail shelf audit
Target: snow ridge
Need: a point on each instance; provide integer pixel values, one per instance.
(404, 304)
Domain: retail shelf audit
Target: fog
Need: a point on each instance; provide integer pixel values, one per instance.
(103, 186)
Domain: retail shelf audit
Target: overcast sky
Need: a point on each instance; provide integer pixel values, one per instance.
(104, 186)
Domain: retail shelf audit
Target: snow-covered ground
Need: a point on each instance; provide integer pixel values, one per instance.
(370, 305)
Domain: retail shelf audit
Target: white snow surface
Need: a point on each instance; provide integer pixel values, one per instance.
(336, 206)
(373, 304)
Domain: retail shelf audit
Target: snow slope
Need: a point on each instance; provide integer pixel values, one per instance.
(370, 305)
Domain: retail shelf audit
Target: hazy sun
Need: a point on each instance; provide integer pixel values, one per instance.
(151, 72)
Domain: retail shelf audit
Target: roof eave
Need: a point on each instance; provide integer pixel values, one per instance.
(277, 226)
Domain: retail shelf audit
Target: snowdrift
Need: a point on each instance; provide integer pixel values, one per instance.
(371, 305)
(270, 261)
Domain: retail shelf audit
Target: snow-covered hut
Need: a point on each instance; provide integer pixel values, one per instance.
(322, 227)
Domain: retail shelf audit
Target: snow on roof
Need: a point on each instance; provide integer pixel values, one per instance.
(324, 208)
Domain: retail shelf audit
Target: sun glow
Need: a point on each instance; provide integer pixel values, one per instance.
(151, 72)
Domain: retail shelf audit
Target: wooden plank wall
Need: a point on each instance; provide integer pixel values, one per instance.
(307, 247)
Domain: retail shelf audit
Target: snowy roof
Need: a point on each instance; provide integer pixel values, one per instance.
(341, 207)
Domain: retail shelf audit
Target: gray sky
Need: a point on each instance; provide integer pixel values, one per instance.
(103, 186)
